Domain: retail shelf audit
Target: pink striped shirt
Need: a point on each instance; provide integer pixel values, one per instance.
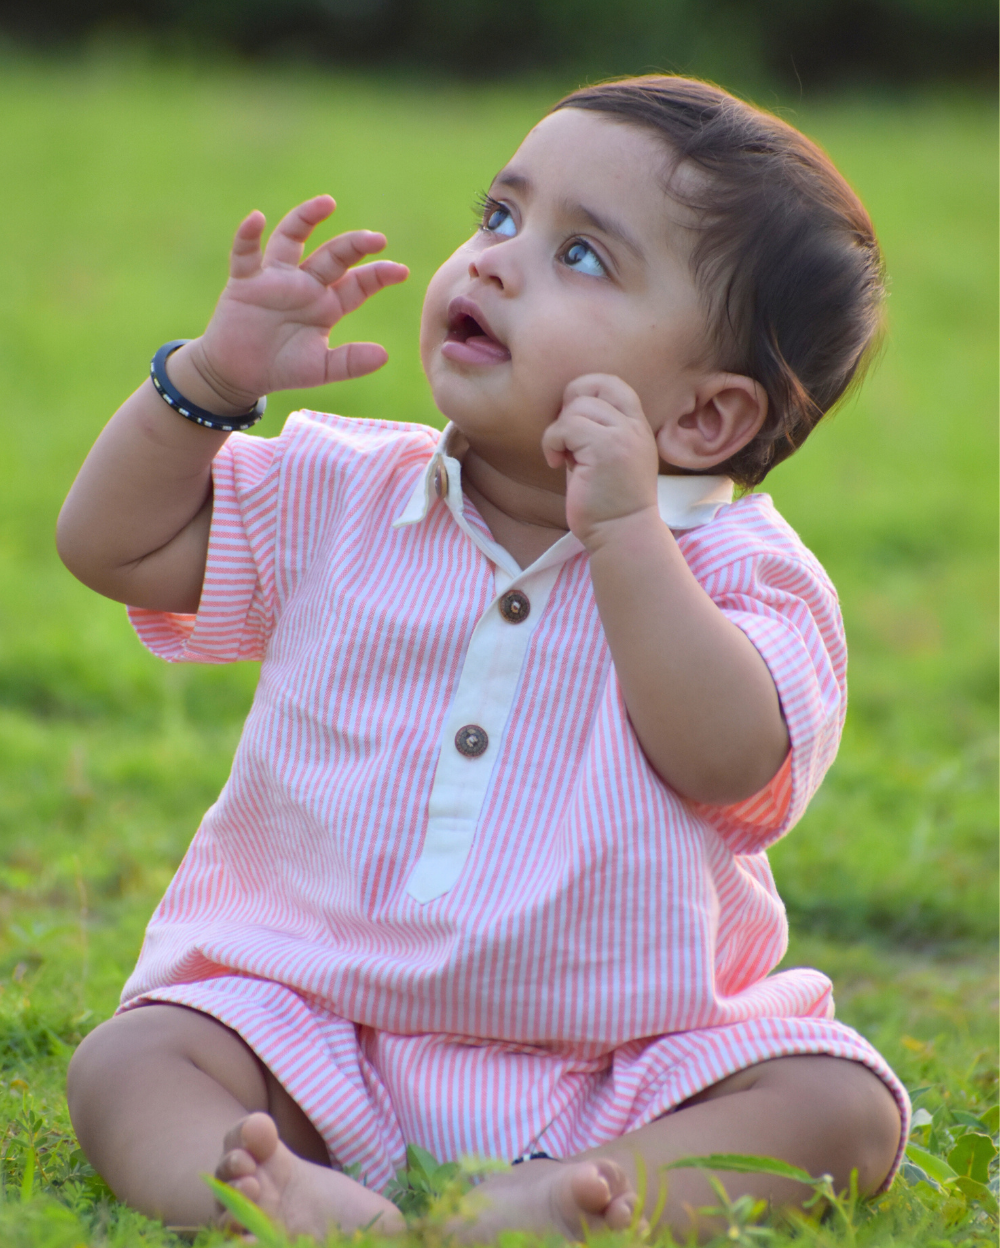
(544, 886)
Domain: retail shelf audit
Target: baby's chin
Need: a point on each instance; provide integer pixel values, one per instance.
(478, 408)
(499, 438)
(491, 398)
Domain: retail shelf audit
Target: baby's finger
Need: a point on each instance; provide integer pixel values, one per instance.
(286, 243)
(588, 407)
(555, 445)
(579, 429)
(607, 387)
(589, 430)
(368, 279)
(244, 259)
(354, 359)
(329, 263)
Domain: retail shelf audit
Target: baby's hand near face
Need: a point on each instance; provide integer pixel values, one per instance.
(607, 445)
(270, 327)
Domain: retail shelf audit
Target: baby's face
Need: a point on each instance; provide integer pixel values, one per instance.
(580, 266)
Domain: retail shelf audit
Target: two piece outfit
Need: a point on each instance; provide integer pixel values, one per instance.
(443, 895)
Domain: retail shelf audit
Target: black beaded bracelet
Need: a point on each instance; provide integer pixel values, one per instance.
(189, 410)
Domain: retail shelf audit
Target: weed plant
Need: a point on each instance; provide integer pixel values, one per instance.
(123, 181)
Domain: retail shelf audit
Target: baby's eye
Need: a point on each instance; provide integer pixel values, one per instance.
(582, 258)
(497, 219)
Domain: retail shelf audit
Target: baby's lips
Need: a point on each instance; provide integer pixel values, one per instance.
(466, 320)
(479, 350)
(470, 339)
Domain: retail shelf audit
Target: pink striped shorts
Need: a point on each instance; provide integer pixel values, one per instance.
(370, 1093)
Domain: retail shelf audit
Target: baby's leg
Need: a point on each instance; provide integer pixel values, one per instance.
(823, 1114)
(161, 1095)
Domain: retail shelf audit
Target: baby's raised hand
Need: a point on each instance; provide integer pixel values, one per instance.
(271, 325)
(605, 441)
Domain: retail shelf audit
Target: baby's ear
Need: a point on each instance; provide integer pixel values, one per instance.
(723, 413)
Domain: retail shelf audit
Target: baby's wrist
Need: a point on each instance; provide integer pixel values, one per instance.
(192, 374)
(624, 532)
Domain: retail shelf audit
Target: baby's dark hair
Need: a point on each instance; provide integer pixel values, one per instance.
(785, 252)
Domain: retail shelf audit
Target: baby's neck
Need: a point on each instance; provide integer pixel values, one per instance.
(524, 519)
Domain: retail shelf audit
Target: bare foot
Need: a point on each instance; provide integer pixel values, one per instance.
(567, 1197)
(304, 1198)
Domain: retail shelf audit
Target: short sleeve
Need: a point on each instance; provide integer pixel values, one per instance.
(784, 602)
(236, 614)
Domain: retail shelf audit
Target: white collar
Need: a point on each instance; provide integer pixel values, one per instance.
(683, 502)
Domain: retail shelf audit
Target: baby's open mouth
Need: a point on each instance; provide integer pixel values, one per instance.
(470, 339)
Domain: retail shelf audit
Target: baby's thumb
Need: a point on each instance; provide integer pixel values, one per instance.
(354, 359)
(554, 445)
(556, 448)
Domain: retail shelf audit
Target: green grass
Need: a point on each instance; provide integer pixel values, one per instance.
(122, 184)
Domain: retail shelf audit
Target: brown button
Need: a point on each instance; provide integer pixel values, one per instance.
(440, 480)
(471, 740)
(514, 606)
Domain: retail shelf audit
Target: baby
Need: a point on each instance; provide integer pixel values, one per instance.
(488, 875)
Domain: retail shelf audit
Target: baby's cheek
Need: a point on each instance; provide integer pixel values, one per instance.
(556, 365)
(573, 347)
(433, 317)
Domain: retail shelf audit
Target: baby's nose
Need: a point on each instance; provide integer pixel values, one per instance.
(477, 268)
(496, 266)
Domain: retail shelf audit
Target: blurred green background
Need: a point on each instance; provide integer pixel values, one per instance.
(127, 164)
(124, 179)
(125, 174)
(784, 43)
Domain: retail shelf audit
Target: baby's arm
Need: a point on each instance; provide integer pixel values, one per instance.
(135, 525)
(698, 693)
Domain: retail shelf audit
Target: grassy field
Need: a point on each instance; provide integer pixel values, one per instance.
(122, 185)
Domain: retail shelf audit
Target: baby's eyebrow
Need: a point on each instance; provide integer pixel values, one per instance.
(515, 181)
(508, 178)
(606, 225)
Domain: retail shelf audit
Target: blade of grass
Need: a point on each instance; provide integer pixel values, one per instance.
(28, 1182)
(247, 1214)
(742, 1163)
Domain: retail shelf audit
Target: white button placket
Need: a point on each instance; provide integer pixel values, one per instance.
(484, 699)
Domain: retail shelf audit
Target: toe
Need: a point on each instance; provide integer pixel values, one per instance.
(235, 1164)
(620, 1212)
(256, 1134)
(247, 1186)
(590, 1188)
(615, 1177)
(622, 1199)
(602, 1191)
